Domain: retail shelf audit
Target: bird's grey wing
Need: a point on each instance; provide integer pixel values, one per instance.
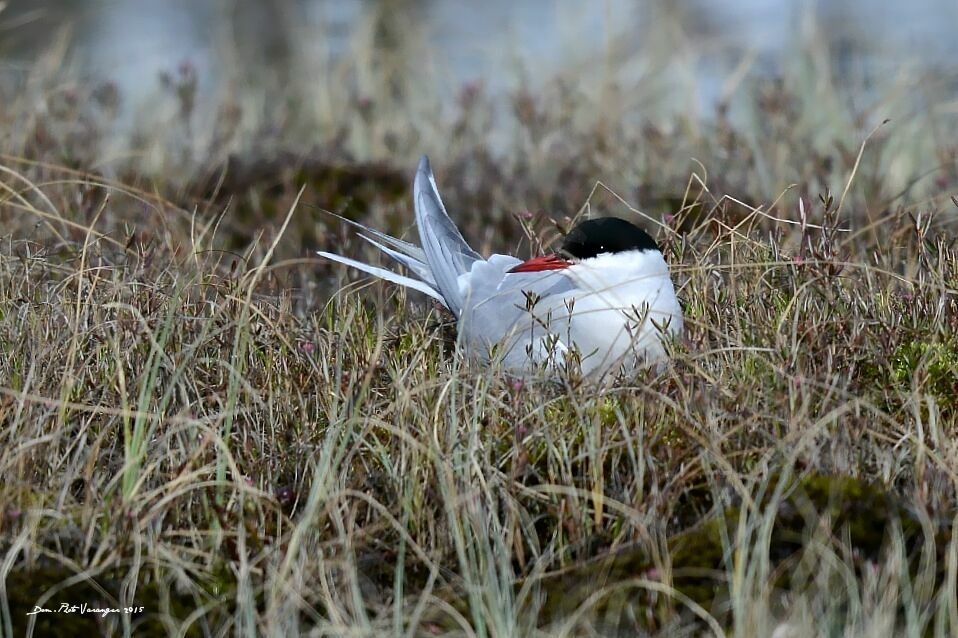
(447, 253)
(509, 312)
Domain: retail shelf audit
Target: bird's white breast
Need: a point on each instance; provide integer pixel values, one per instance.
(605, 308)
(624, 304)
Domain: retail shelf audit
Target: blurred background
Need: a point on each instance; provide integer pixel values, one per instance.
(283, 45)
(540, 98)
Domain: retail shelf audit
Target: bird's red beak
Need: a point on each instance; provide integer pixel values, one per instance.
(538, 264)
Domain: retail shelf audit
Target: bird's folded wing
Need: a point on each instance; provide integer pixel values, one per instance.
(510, 309)
(447, 253)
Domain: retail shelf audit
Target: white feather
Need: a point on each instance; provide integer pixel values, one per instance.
(382, 273)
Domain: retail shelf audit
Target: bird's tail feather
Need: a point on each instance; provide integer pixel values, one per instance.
(446, 252)
(387, 275)
(416, 265)
(444, 255)
(404, 247)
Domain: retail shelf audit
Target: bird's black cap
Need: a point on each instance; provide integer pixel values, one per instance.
(605, 235)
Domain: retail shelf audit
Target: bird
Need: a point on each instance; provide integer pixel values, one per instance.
(604, 302)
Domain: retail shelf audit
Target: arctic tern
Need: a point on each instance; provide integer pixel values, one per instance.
(604, 300)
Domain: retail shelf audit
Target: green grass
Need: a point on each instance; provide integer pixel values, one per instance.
(198, 419)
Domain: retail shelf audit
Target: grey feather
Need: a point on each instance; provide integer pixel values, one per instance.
(407, 254)
(418, 266)
(382, 273)
(497, 312)
(404, 247)
(447, 253)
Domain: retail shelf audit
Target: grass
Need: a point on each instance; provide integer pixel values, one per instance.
(199, 420)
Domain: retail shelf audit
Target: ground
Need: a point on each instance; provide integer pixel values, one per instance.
(202, 418)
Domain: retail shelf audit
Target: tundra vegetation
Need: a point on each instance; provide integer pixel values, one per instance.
(201, 418)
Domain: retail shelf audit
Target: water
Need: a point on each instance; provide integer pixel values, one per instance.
(501, 42)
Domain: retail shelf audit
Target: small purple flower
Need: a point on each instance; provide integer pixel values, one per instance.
(469, 93)
(307, 347)
(286, 496)
(186, 69)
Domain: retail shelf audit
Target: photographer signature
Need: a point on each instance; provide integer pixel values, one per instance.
(83, 608)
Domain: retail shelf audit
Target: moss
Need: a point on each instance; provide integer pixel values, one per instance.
(608, 411)
(26, 586)
(260, 192)
(862, 513)
(932, 366)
